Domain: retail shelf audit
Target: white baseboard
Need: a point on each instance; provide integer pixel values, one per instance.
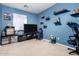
(0, 46)
(46, 40)
(65, 46)
(61, 44)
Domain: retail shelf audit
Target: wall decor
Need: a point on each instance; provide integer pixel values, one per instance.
(42, 17)
(45, 26)
(58, 22)
(72, 24)
(60, 11)
(7, 16)
(55, 19)
(75, 12)
(41, 23)
(47, 18)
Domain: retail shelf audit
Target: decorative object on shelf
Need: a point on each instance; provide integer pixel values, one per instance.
(47, 18)
(57, 22)
(60, 11)
(75, 12)
(41, 23)
(7, 16)
(10, 30)
(45, 26)
(19, 32)
(42, 17)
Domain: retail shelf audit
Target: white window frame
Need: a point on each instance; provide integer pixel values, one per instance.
(19, 21)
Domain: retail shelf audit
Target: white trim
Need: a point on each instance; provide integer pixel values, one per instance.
(65, 46)
(21, 19)
(46, 40)
(61, 44)
(0, 46)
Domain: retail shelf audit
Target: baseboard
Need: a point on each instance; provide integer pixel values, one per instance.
(46, 40)
(0, 46)
(65, 46)
(61, 44)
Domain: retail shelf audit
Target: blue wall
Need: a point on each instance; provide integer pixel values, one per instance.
(0, 21)
(32, 18)
(63, 31)
(0, 17)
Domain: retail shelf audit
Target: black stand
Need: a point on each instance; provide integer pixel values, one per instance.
(73, 51)
(27, 36)
(8, 40)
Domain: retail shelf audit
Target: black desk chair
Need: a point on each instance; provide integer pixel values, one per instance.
(73, 42)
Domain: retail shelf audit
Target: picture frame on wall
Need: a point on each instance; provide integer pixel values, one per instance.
(7, 16)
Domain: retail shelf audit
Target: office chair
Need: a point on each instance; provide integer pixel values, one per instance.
(74, 40)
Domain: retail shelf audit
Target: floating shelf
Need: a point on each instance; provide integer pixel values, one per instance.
(41, 23)
(47, 18)
(42, 17)
(75, 15)
(45, 26)
(75, 12)
(57, 23)
(60, 11)
(71, 24)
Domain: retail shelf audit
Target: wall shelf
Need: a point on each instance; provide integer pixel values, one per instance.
(47, 18)
(45, 26)
(58, 22)
(75, 15)
(42, 17)
(41, 23)
(75, 12)
(60, 11)
(72, 24)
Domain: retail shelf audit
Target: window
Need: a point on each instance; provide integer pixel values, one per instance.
(19, 21)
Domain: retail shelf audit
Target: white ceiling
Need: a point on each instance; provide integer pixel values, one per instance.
(30, 7)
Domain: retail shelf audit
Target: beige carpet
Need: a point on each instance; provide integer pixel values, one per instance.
(33, 48)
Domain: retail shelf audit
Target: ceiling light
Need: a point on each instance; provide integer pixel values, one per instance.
(25, 5)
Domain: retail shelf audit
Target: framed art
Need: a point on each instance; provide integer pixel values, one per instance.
(7, 16)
